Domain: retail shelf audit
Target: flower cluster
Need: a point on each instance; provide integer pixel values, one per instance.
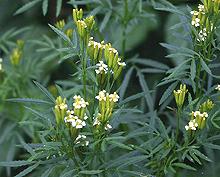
(106, 105)
(198, 120)
(95, 50)
(84, 26)
(102, 68)
(203, 19)
(74, 120)
(192, 125)
(81, 139)
(16, 54)
(180, 95)
(206, 106)
(114, 63)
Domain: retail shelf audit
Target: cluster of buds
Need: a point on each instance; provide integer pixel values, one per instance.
(95, 50)
(212, 6)
(114, 62)
(206, 106)
(77, 14)
(180, 95)
(60, 109)
(60, 25)
(84, 26)
(106, 104)
(16, 54)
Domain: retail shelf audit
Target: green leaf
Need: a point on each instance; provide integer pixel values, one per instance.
(45, 91)
(207, 69)
(62, 35)
(45, 7)
(212, 146)
(28, 100)
(27, 6)
(193, 69)
(183, 165)
(120, 145)
(125, 83)
(149, 62)
(105, 20)
(90, 172)
(58, 8)
(18, 163)
(145, 88)
(27, 170)
(168, 92)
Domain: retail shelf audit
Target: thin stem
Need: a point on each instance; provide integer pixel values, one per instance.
(178, 123)
(125, 23)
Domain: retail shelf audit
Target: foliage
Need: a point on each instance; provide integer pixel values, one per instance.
(115, 112)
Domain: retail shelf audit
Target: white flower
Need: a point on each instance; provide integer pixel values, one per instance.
(79, 124)
(201, 8)
(85, 117)
(195, 22)
(192, 125)
(121, 63)
(96, 122)
(86, 143)
(218, 87)
(101, 96)
(114, 97)
(79, 102)
(194, 12)
(205, 115)
(102, 68)
(202, 35)
(63, 106)
(196, 113)
(108, 127)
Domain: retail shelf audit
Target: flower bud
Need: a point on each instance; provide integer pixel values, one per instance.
(180, 95)
(60, 24)
(77, 14)
(206, 106)
(60, 109)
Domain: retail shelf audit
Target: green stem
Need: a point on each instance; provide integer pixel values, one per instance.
(178, 123)
(125, 23)
(198, 79)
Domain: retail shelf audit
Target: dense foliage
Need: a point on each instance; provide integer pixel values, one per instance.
(109, 88)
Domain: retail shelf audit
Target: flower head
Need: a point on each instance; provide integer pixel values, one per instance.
(114, 97)
(102, 68)
(192, 125)
(101, 96)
